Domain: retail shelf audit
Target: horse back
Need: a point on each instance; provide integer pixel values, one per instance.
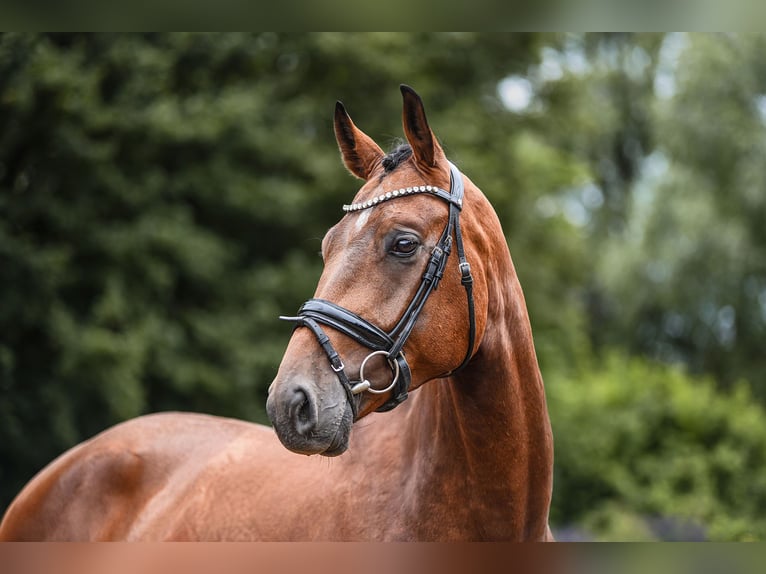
(128, 482)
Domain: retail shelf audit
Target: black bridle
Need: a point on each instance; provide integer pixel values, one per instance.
(319, 311)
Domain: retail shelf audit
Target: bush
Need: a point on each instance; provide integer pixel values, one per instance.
(645, 451)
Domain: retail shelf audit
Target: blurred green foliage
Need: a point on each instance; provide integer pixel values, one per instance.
(163, 198)
(646, 452)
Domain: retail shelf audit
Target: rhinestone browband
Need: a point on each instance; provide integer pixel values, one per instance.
(399, 193)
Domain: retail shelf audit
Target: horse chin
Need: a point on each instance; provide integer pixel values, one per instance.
(339, 442)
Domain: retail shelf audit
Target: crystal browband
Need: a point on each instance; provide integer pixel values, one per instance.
(402, 192)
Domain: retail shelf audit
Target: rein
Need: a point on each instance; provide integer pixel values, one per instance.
(390, 344)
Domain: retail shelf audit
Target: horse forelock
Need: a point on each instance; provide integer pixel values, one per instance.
(396, 157)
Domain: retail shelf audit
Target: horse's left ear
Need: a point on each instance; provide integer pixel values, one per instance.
(360, 153)
(426, 149)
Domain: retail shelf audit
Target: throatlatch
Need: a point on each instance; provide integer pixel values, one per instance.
(391, 344)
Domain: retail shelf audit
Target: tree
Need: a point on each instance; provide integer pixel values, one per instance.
(696, 243)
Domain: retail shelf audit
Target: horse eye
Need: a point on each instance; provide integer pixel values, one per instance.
(405, 246)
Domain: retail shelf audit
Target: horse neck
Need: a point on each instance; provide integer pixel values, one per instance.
(485, 433)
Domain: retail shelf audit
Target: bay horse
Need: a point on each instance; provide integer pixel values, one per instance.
(466, 457)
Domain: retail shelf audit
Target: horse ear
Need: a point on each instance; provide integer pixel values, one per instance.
(425, 148)
(360, 154)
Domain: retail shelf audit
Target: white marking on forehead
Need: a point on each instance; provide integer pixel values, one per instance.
(363, 217)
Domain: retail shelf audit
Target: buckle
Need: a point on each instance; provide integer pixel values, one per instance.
(465, 271)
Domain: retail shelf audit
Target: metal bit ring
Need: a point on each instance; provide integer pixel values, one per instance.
(393, 364)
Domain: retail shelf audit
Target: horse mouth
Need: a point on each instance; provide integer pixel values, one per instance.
(335, 450)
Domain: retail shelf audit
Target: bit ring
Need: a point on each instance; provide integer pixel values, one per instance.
(368, 387)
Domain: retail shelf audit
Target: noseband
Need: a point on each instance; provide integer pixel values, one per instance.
(390, 344)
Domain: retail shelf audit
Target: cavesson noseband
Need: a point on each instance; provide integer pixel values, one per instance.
(390, 344)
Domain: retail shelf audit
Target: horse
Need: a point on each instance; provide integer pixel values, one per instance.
(468, 456)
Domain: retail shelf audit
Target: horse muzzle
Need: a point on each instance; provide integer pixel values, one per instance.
(308, 422)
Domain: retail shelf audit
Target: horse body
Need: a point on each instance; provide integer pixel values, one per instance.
(466, 457)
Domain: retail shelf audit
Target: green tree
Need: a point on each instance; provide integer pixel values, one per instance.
(687, 281)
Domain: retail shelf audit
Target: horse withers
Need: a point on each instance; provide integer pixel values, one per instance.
(419, 308)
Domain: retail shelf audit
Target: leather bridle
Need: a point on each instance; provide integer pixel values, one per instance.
(390, 344)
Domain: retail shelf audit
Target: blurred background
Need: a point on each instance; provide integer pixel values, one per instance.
(163, 198)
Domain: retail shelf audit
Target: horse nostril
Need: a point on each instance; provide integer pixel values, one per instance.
(303, 412)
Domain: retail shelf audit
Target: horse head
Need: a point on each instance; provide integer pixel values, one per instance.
(402, 297)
